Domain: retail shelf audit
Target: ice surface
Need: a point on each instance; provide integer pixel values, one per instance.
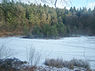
(66, 48)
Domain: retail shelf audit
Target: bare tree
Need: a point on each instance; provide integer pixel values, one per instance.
(54, 2)
(51, 2)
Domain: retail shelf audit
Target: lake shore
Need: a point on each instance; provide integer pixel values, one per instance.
(9, 34)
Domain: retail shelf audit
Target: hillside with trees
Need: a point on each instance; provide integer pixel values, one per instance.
(17, 18)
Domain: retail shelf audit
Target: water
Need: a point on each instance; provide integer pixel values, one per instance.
(66, 48)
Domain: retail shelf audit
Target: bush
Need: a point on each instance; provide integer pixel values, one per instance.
(59, 63)
(80, 63)
(54, 63)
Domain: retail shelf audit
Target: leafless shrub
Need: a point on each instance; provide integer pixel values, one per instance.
(54, 63)
(33, 57)
(5, 52)
(80, 63)
(59, 63)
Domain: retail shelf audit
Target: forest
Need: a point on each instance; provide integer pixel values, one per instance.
(17, 18)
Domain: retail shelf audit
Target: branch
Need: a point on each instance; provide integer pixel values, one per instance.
(55, 3)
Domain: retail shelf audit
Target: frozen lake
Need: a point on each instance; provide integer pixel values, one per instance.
(66, 48)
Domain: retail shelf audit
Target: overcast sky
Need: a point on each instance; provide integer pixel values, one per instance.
(60, 4)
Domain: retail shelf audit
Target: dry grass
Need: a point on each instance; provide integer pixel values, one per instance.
(59, 63)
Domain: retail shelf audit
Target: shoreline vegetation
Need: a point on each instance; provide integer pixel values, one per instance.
(14, 64)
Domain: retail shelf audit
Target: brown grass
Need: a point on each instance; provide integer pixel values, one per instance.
(59, 63)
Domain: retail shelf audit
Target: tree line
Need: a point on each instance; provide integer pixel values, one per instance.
(17, 18)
